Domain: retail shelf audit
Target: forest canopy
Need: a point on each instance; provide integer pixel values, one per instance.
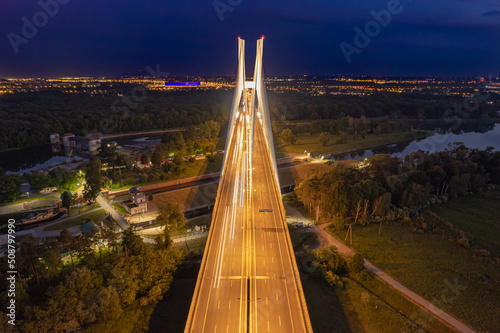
(29, 118)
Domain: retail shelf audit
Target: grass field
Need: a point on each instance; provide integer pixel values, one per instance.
(293, 174)
(120, 208)
(95, 216)
(369, 306)
(188, 197)
(83, 209)
(312, 143)
(437, 269)
(357, 309)
(479, 217)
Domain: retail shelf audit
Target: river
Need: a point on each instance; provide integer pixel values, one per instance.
(437, 142)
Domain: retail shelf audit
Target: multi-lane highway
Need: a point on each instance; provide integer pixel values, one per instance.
(276, 284)
(248, 280)
(219, 303)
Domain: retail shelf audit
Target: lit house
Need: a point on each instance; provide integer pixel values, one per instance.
(139, 202)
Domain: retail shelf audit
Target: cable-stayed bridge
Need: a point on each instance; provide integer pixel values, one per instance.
(248, 280)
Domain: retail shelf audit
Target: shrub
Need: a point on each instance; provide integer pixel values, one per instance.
(334, 280)
(365, 275)
(464, 242)
(356, 263)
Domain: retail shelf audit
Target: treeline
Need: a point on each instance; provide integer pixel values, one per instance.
(392, 188)
(344, 127)
(195, 140)
(296, 106)
(29, 118)
(99, 289)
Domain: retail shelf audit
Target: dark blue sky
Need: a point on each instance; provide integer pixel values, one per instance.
(187, 37)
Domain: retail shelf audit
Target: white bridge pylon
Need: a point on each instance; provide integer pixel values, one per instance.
(250, 103)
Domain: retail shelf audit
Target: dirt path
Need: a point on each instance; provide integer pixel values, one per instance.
(326, 240)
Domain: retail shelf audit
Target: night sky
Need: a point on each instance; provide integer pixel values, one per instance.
(188, 37)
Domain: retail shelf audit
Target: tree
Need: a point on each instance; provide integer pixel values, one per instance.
(328, 258)
(158, 155)
(356, 263)
(174, 141)
(133, 243)
(50, 263)
(67, 200)
(162, 242)
(30, 252)
(210, 129)
(93, 178)
(67, 241)
(108, 233)
(287, 137)
(169, 215)
(38, 181)
(278, 127)
(10, 187)
(325, 138)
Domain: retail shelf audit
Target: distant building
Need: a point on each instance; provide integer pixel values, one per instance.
(139, 202)
(81, 145)
(94, 143)
(54, 139)
(67, 139)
